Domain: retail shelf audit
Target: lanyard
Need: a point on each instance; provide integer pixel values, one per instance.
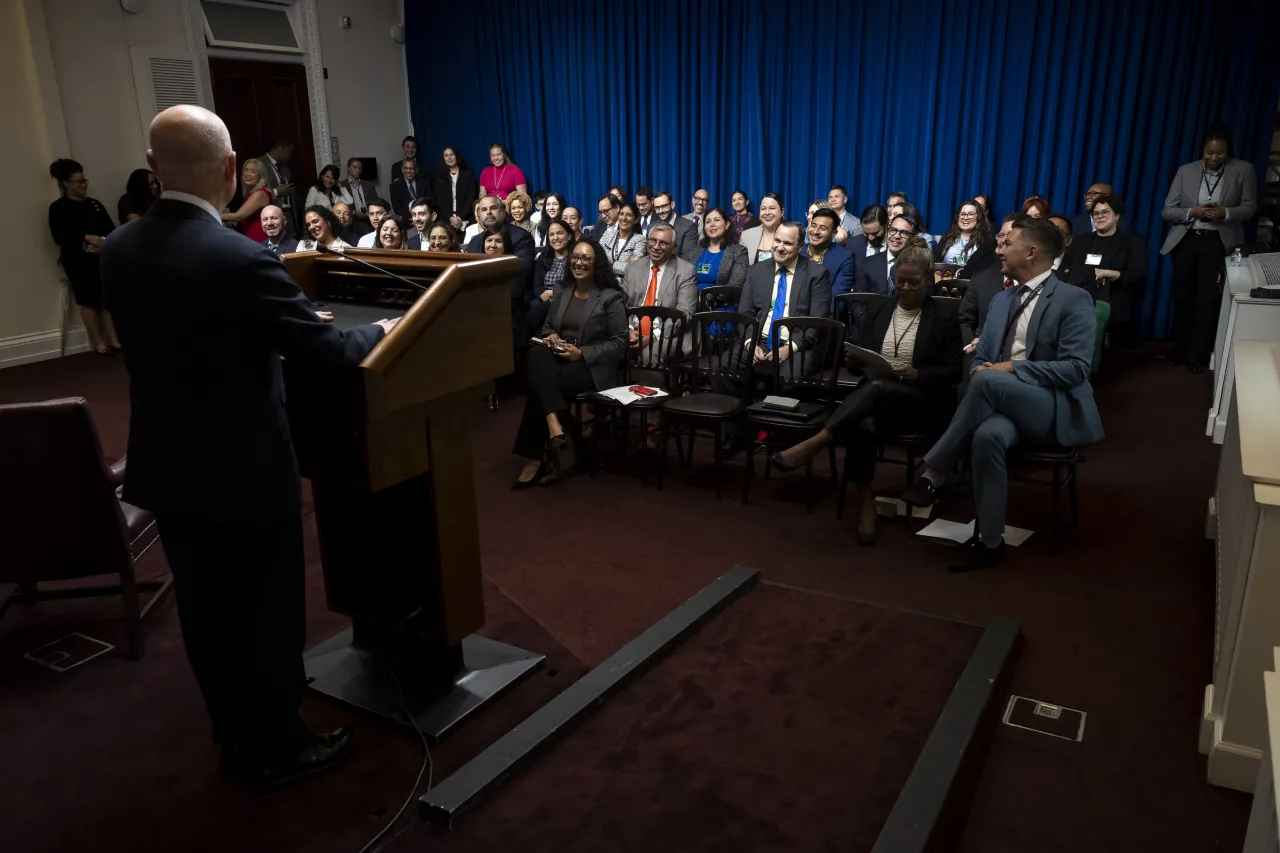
(1212, 188)
(1012, 322)
(897, 338)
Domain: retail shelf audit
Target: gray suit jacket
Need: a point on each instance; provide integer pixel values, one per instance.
(686, 239)
(733, 266)
(1239, 194)
(750, 240)
(604, 331)
(677, 285)
(810, 291)
(1059, 353)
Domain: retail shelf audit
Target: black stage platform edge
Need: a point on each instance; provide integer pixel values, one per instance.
(482, 774)
(925, 804)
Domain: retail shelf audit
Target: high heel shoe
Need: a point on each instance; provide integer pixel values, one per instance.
(519, 485)
(776, 459)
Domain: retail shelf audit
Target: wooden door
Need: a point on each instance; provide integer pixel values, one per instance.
(261, 101)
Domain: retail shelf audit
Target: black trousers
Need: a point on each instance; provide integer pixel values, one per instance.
(551, 383)
(874, 409)
(242, 605)
(1198, 267)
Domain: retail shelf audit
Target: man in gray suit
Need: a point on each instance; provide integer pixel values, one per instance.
(664, 208)
(701, 203)
(1029, 384)
(280, 182)
(672, 279)
(1208, 203)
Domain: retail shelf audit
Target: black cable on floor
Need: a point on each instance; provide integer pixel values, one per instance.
(428, 768)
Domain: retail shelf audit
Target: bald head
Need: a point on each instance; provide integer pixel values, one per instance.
(272, 220)
(191, 152)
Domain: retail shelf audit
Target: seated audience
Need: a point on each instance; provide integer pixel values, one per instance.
(895, 197)
(698, 216)
(393, 233)
(276, 239)
(875, 226)
(823, 250)
(1083, 223)
(723, 260)
(664, 208)
(253, 189)
(549, 272)
(814, 207)
(496, 240)
(838, 198)
(501, 177)
(968, 242)
(405, 192)
(624, 243)
(742, 219)
(587, 325)
(539, 200)
(921, 337)
(620, 193)
(326, 192)
(876, 274)
(573, 218)
(422, 212)
(662, 278)
(608, 205)
(346, 219)
(361, 192)
(644, 206)
(759, 240)
(442, 238)
(455, 188)
(377, 210)
(914, 213)
(492, 214)
(408, 151)
(1037, 207)
(1030, 386)
(519, 207)
(552, 209)
(80, 225)
(323, 228)
(1109, 263)
(476, 225)
(142, 188)
(983, 287)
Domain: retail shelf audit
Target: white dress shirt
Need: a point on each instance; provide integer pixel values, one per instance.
(773, 298)
(368, 241)
(1018, 352)
(187, 198)
(309, 245)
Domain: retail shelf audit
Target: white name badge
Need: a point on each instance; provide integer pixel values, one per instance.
(1093, 260)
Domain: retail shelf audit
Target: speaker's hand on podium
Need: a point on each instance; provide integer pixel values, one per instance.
(387, 325)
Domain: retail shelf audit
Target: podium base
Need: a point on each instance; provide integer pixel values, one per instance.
(355, 676)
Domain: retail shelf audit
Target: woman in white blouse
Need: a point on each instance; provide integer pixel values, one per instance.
(322, 225)
(624, 244)
(327, 192)
(758, 241)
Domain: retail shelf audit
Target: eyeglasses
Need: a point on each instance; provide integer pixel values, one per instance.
(968, 215)
(581, 260)
(654, 241)
(898, 232)
(910, 282)
(1101, 213)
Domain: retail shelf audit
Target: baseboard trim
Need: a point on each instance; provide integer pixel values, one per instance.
(41, 346)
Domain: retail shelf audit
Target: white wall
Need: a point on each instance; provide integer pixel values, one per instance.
(367, 92)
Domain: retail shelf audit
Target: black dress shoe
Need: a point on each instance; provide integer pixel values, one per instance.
(920, 493)
(977, 555)
(867, 539)
(776, 459)
(519, 485)
(324, 752)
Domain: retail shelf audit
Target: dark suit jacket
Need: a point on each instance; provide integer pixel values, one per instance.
(1083, 224)
(521, 245)
(287, 244)
(839, 262)
(937, 354)
(205, 317)
(873, 277)
(1238, 194)
(857, 247)
(810, 291)
(603, 340)
(400, 198)
(397, 173)
(468, 192)
(977, 299)
(415, 241)
(686, 238)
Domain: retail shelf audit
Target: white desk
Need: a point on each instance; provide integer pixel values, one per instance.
(1242, 318)
(1263, 835)
(1233, 730)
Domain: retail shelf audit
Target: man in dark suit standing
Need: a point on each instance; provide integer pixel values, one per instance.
(408, 151)
(207, 316)
(492, 212)
(280, 182)
(664, 208)
(404, 193)
(1083, 223)
(790, 286)
(277, 242)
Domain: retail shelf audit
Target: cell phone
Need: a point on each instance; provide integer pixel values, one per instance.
(642, 391)
(542, 342)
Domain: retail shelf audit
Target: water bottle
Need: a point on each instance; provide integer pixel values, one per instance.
(1236, 257)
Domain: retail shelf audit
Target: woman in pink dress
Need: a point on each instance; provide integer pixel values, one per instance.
(248, 219)
(503, 177)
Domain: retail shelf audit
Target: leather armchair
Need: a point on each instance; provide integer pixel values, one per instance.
(61, 516)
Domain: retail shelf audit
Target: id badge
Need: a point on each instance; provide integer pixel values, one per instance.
(704, 269)
(1093, 260)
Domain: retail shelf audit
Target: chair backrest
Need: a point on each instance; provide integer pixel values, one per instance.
(656, 363)
(952, 287)
(849, 309)
(60, 518)
(812, 370)
(722, 347)
(720, 297)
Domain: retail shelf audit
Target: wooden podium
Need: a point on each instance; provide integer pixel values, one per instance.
(387, 447)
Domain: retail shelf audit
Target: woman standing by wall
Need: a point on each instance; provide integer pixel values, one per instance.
(80, 226)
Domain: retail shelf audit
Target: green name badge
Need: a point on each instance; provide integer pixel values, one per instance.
(704, 269)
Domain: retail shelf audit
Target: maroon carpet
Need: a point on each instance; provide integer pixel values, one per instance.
(1118, 624)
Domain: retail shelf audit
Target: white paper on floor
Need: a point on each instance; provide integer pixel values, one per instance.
(954, 531)
(895, 507)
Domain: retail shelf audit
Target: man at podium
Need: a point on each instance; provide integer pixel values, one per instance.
(205, 317)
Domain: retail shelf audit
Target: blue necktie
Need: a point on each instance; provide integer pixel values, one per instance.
(779, 305)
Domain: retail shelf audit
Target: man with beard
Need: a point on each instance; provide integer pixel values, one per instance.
(277, 240)
(493, 213)
(875, 225)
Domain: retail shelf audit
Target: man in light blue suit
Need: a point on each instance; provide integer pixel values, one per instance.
(1029, 385)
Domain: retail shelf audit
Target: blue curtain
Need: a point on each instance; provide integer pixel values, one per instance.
(943, 100)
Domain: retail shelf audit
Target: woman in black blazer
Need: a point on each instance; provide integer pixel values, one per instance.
(584, 342)
(968, 241)
(455, 188)
(921, 336)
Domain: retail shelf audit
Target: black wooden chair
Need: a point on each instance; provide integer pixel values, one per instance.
(722, 342)
(849, 309)
(809, 375)
(953, 287)
(1062, 462)
(720, 297)
(656, 366)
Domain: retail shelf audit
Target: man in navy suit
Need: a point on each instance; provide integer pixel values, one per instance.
(1029, 385)
(868, 244)
(876, 273)
(822, 249)
(277, 241)
(206, 317)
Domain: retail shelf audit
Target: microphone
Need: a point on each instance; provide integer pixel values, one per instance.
(326, 250)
